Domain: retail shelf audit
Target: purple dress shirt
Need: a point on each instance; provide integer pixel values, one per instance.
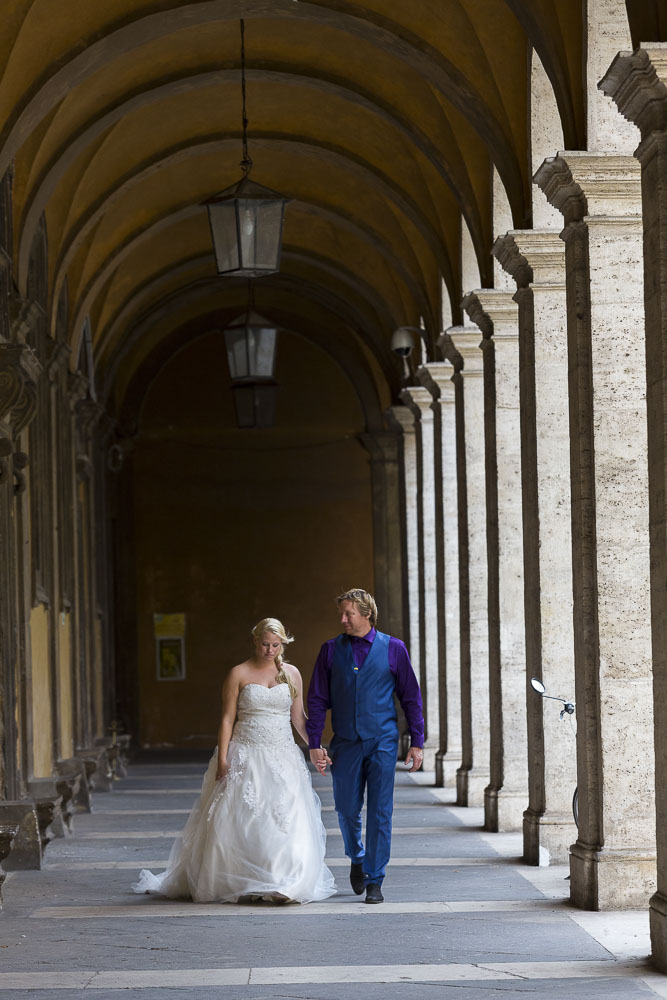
(407, 688)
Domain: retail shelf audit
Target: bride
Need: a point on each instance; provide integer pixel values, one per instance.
(256, 830)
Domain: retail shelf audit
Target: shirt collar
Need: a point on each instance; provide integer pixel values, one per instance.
(365, 638)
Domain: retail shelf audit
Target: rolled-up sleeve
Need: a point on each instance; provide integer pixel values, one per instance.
(319, 698)
(407, 691)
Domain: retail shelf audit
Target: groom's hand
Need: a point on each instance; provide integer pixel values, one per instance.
(415, 756)
(320, 758)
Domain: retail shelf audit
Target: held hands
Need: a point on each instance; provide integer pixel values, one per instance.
(222, 771)
(320, 758)
(416, 756)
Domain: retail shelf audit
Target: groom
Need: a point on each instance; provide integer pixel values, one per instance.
(356, 675)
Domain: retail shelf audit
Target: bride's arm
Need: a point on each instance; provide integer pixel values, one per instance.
(230, 695)
(297, 713)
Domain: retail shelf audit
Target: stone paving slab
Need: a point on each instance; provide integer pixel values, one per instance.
(604, 989)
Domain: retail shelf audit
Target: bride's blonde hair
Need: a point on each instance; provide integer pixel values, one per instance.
(277, 628)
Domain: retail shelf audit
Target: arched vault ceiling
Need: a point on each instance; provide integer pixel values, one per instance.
(381, 120)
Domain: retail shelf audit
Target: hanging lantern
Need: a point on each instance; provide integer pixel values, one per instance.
(250, 341)
(246, 227)
(246, 219)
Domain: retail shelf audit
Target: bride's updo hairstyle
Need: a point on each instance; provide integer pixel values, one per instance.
(277, 628)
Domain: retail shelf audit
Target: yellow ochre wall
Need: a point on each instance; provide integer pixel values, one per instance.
(233, 526)
(65, 706)
(42, 732)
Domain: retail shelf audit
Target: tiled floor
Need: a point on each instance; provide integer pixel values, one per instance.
(463, 917)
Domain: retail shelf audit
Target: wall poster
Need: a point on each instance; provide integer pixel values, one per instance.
(169, 631)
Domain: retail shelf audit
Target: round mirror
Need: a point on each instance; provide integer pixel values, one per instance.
(537, 685)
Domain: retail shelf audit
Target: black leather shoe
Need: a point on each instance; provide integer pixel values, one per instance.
(373, 893)
(357, 880)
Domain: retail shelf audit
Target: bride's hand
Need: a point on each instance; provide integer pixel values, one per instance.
(223, 770)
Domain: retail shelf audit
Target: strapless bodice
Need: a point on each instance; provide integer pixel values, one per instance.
(263, 716)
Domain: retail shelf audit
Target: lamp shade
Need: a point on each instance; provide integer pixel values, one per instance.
(246, 227)
(250, 341)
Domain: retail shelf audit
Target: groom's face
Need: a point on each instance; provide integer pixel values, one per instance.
(353, 622)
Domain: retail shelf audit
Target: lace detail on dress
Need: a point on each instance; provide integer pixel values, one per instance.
(263, 717)
(251, 798)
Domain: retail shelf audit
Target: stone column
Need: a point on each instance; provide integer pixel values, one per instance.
(638, 84)
(473, 775)
(613, 860)
(19, 373)
(419, 400)
(437, 375)
(383, 448)
(536, 261)
(405, 420)
(506, 796)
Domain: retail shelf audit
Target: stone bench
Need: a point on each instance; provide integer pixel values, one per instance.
(7, 834)
(26, 844)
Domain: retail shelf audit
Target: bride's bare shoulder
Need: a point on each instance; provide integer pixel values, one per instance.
(237, 674)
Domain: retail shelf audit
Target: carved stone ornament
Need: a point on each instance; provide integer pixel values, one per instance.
(19, 368)
(6, 448)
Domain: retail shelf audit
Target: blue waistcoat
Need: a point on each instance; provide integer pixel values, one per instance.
(362, 701)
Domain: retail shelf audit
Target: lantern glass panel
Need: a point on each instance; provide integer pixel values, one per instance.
(222, 219)
(260, 230)
(251, 347)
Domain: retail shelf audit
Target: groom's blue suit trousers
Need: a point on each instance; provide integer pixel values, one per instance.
(370, 766)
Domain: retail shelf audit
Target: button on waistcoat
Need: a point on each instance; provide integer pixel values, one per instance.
(362, 701)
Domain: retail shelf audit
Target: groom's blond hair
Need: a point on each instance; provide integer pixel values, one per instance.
(365, 603)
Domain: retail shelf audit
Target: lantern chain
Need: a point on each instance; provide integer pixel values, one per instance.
(246, 162)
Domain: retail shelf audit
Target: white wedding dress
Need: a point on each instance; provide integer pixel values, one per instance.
(259, 831)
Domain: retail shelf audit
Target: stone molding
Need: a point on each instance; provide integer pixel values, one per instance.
(436, 376)
(506, 251)
(532, 256)
(583, 184)
(495, 312)
(637, 83)
(419, 399)
(449, 352)
(466, 341)
(403, 417)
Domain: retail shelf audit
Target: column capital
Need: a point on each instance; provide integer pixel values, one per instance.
(532, 256)
(436, 376)
(448, 350)
(494, 311)
(467, 342)
(402, 418)
(581, 184)
(418, 398)
(637, 83)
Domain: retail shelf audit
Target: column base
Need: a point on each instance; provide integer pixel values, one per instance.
(447, 764)
(503, 809)
(658, 922)
(430, 752)
(611, 879)
(470, 785)
(546, 838)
